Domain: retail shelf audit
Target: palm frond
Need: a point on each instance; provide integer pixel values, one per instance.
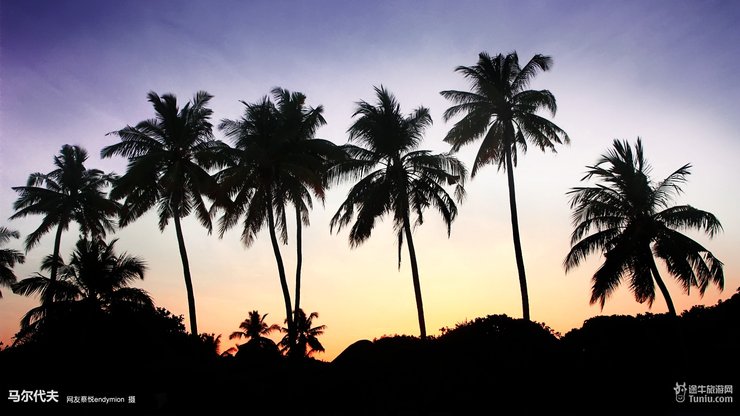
(686, 217)
(135, 141)
(688, 261)
(45, 288)
(6, 234)
(608, 277)
(529, 71)
(369, 199)
(32, 317)
(470, 128)
(237, 335)
(671, 186)
(492, 148)
(599, 241)
(540, 131)
(47, 224)
(641, 276)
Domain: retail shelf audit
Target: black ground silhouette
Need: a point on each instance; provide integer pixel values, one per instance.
(610, 364)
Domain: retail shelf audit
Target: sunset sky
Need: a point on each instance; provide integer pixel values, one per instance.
(667, 71)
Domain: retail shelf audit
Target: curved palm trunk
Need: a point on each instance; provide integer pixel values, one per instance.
(663, 288)
(299, 261)
(682, 351)
(186, 274)
(415, 277)
(515, 232)
(281, 272)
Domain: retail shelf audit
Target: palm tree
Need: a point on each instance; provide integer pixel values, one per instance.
(395, 177)
(306, 342)
(298, 126)
(210, 343)
(71, 192)
(254, 328)
(502, 111)
(96, 279)
(168, 161)
(633, 222)
(271, 165)
(8, 258)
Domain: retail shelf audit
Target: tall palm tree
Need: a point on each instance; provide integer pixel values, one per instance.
(500, 109)
(395, 177)
(71, 192)
(169, 157)
(633, 222)
(254, 327)
(307, 336)
(269, 168)
(8, 258)
(96, 279)
(298, 126)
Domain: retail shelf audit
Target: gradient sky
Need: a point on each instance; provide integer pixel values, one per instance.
(72, 71)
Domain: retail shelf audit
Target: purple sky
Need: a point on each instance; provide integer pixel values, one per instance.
(72, 71)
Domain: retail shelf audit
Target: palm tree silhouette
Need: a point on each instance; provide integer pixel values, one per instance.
(407, 182)
(503, 112)
(306, 340)
(168, 161)
(254, 327)
(298, 126)
(96, 279)
(271, 165)
(211, 343)
(8, 258)
(632, 223)
(71, 192)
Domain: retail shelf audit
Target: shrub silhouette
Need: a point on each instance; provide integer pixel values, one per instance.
(489, 363)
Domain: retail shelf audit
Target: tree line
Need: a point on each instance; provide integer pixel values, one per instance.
(275, 166)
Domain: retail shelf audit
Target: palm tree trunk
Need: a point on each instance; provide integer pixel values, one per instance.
(186, 274)
(682, 352)
(54, 264)
(55, 254)
(299, 260)
(415, 277)
(515, 231)
(281, 272)
(663, 288)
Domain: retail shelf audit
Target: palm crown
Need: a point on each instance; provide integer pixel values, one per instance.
(95, 278)
(502, 110)
(168, 161)
(406, 181)
(272, 163)
(254, 327)
(71, 192)
(307, 336)
(631, 220)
